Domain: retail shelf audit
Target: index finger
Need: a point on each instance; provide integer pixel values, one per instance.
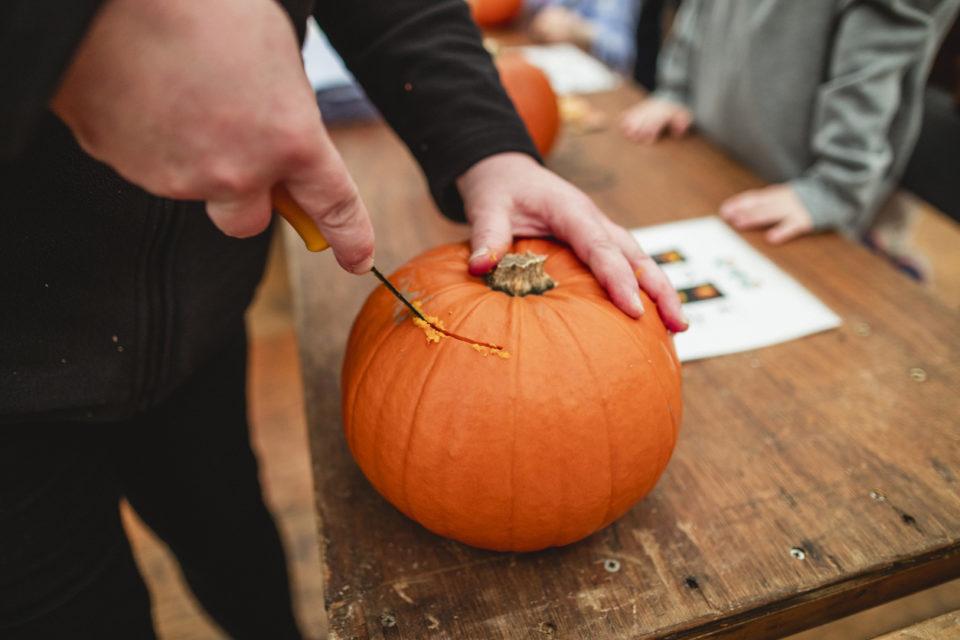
(320, 183)
(587, 234)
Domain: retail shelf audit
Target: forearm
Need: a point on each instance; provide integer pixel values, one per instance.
(867, 113)
(428, 73)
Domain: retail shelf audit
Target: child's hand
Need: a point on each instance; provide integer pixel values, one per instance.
(647, 120)
(776, 206)
(559, 24)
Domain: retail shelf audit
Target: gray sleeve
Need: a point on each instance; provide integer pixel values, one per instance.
(867, 112)
(674, 67)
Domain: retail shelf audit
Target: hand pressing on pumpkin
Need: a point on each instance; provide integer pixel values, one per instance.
(776, 207)
(209, 101)
(510, 194)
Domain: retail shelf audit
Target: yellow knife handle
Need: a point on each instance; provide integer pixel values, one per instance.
(303, 224)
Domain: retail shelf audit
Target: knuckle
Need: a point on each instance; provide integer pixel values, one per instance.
(602, 252)
(181, 183)
(580, 204)
(176, 185)
(227, 178)
(295, 138)
(342, 209)
(296, 151)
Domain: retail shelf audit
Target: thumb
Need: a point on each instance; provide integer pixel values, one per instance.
(680, 123)
(786, 229)
(342, 218)
(490, 239)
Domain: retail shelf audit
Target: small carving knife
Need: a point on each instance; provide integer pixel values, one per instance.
(292, 212)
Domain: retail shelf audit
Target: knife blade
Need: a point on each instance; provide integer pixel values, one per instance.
(291, 211)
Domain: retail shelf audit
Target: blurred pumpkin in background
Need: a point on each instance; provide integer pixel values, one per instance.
(494, 13)
(533, 97)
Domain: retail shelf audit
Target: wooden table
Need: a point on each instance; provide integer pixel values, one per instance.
(812, 479)
(939, 628)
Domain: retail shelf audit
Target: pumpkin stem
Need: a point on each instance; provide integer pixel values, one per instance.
(520, 274)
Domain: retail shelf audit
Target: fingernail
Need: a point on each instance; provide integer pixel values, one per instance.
(363, 267)
(479, 253)
(636, 303)
(683, 319)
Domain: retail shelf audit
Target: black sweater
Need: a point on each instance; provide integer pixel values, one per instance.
(111, 297)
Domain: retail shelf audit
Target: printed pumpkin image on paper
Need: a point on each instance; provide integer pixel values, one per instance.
(547, 416)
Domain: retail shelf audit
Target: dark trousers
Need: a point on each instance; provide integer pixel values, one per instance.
(186, 467)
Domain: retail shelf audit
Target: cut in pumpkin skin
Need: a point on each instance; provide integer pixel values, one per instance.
(521, 453)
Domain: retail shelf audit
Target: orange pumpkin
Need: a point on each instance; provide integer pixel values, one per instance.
(533, 97)
(536, 449)
(494, 13)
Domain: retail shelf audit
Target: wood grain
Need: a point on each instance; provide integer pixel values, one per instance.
(939, 628)
(812, 479)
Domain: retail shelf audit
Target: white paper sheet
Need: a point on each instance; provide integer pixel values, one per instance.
(570, 69)
(737, 299)
(323, 65)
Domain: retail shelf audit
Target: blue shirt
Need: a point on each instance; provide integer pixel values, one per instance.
(615, 24)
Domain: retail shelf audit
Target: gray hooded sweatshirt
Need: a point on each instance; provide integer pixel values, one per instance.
(825, 94)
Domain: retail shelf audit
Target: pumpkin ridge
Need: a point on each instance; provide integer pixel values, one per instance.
(430, 295)
(516, 320)
(572, 291)
(604, 407)
(674, 420)
(362, 371)
(646, 354)
(361, 374)
(415, 413)
(381, 422)
(386, 334)
(431, 368)
(404, 275)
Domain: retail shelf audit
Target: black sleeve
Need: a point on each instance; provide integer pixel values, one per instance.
(423, 64)
(37, 41)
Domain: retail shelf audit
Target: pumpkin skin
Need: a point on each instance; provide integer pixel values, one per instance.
(537, 450)
(531, 93)
(494, 13)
